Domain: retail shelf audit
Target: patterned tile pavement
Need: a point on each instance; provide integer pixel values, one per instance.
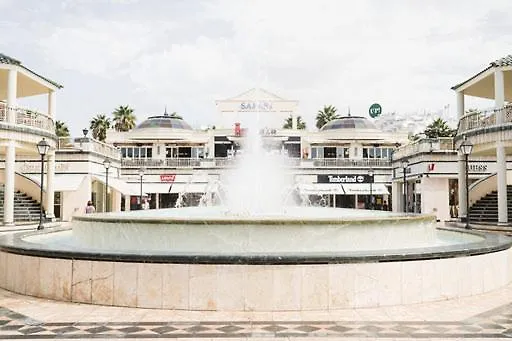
(493, 324)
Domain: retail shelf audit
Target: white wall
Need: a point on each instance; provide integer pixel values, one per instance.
(434, 197)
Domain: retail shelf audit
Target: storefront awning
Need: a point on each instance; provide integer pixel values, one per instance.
(319, 189)
(364, 189)
(177, 188)
(61, 182)
(119, 185)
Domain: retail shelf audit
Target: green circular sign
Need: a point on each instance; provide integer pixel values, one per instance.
(375, 110)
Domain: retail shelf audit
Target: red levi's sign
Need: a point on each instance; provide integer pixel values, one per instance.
(167, 177)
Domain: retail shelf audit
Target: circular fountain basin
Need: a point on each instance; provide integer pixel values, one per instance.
(296, 259)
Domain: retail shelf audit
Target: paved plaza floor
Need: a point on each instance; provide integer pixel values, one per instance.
(481, 317)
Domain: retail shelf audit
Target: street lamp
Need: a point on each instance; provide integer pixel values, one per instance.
(466, 148)
(106, 163)
(42, 148)
(405, 164)
(141, 174)
(370, 174)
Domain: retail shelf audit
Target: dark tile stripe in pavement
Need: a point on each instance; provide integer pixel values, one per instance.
(495, 323)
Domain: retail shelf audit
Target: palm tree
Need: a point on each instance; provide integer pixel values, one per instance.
(288, 123)
(328, 113)
(124, 119)
(99, 126)
(61, 129)
(439, 128)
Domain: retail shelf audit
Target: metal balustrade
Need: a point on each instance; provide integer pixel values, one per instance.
(27, 117)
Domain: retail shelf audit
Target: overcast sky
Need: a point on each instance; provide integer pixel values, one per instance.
(185, 54)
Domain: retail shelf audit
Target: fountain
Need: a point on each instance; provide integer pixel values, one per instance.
(264, 248)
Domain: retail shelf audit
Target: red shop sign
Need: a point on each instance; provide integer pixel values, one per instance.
(167, 177)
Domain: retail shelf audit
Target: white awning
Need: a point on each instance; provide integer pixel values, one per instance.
(364, 189)
(177, 187)
(61, 182)
(320, 189)
(119, 185)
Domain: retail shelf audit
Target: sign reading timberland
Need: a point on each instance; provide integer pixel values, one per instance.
(344, 178)
(375, 110)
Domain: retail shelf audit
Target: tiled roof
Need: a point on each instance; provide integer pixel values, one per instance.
(505, 61)
(8, 60)
(4, 59)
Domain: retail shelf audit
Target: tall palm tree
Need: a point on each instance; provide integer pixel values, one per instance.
(328, 113)
(288, 123)
(124, 119)
(99, 126)
(61, 129)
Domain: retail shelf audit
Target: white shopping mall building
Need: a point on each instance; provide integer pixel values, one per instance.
(347, 163)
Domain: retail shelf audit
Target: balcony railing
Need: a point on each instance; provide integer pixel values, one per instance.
(90, 145)
(484, 119)
(228, 162)
(27, 118)
(351, 162)
(440, 144)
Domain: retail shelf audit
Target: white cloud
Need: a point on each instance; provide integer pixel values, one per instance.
(403, 54)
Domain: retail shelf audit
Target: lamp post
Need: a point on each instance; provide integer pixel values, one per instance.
(42, 148)
(141, 174)
(405, 164)
(466, 148)
(370, 174)
(106, 163)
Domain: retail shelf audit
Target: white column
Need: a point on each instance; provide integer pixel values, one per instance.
(460, 104)
(10, 156)
(462, 185)
(50, 178)
(52, 104)
(157, 203)
(355, 198)
(127, 203)
(499, 94)
(12, 84)
(294, 121)
(499, 102)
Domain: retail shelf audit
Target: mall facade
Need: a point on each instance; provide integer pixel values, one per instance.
(347, 163)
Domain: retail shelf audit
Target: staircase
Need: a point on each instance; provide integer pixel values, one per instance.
(25, 208)
(485, 210)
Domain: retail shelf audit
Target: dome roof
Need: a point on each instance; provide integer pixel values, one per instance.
(164, 121)
(349, 122)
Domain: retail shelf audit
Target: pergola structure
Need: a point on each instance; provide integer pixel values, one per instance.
(490, 131)
(22, 129)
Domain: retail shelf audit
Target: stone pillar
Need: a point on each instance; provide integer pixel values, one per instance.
(461, 163)
(127, 203)
(50, 178)
(12, 84)
(460, 104)
(499, 102)
(396, 197)
(294, 121)
(157, 199)
(52, 104)
(10, 157)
